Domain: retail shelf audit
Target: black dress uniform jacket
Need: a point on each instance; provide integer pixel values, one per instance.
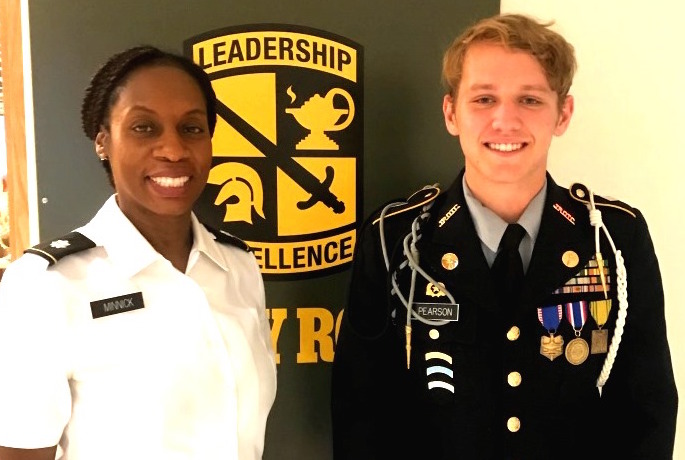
(382, 410)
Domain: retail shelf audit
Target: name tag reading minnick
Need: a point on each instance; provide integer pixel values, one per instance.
(437, 311)
(114, 305)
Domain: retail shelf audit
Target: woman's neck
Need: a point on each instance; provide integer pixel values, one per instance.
(172, 237)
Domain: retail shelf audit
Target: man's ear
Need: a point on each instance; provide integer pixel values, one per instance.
(449, 111)
(100, 141)
(565, 115)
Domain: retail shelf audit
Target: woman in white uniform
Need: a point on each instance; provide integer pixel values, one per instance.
(140, 335)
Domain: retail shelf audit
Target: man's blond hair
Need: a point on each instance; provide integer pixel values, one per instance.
(516, 32)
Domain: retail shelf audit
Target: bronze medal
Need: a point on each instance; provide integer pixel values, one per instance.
(600, 338)
(577, 351)
(551, 347)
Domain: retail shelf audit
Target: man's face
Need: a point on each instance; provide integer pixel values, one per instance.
(505, 115)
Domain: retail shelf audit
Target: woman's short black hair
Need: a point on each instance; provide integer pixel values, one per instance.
(103, 90)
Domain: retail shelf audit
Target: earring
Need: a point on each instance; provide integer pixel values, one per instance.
(102, 157)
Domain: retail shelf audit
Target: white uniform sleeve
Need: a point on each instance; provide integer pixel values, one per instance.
(253, 422)
(35, 399)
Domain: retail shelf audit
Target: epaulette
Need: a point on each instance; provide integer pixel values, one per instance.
(56, 249)
(225, 237)
(580, 192)
(416, 200)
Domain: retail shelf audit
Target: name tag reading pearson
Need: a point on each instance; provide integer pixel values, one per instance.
(114, 305)
(437, 311)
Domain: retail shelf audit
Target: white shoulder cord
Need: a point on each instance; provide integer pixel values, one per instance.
(621, 293)
(412, 260)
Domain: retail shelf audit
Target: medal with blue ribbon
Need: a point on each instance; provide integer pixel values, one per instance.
(577, 349)
(550, 317)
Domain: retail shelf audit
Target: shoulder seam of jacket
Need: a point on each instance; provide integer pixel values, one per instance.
(580, 192)
(433, 192)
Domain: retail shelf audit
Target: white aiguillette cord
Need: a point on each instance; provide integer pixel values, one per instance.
(411, 255)
(412, 260)
(621, 292)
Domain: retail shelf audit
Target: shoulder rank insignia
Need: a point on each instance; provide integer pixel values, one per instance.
(226, 238)
(54, 250)
(416, 200)
(580, 192)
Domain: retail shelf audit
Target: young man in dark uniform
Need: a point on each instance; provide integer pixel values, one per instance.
(508, 317)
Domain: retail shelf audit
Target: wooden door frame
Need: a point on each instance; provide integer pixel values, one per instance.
(15, 128)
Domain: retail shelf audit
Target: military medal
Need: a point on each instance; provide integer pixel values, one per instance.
(600, 339)
(577, 349)
(599, 310)
(551, 346)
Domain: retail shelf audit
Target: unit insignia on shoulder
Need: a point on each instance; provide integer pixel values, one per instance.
(55, 249)
(416, 200)
(580, 192)
(226, 238)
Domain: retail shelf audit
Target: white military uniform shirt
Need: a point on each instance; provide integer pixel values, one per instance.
(191, 375)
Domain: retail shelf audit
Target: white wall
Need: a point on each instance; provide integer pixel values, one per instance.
(627, 136)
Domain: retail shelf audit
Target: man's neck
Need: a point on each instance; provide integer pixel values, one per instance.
(508, 201)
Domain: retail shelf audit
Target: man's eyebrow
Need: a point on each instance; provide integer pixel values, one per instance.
(481, 86)
(490, 86)
(542, 88)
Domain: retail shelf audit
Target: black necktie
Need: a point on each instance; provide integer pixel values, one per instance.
(507, 269)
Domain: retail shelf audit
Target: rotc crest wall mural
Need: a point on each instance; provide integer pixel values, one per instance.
(288, 144)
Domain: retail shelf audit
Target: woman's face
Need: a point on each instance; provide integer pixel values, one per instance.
(158, 143)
